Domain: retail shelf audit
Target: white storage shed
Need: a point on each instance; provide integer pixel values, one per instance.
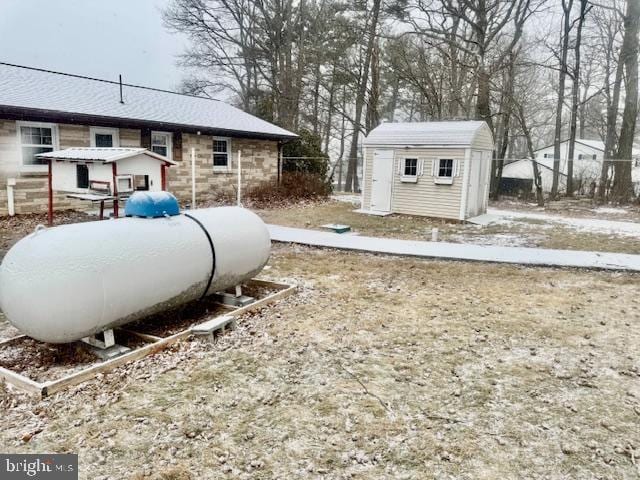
(434, 169)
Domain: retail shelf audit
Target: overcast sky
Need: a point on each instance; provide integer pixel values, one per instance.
(97, 38)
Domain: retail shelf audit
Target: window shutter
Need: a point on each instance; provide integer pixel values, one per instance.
(400, 165)
(177, 146)
(145, 138)
(434, 167)
(456, 168)
(421, 167)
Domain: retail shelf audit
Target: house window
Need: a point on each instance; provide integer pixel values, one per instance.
(221, 150)
(82, 176)
(104, 137)
(161, 143)
(36, 138)
(410, 167)
(548, 155)
(445, 168)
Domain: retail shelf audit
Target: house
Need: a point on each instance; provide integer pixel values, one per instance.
(43, 111)
(434, 169)
(587, 166)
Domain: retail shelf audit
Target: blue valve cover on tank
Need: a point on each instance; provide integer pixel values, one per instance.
(151, 205)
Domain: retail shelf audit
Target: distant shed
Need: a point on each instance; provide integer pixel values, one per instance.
(434, 169)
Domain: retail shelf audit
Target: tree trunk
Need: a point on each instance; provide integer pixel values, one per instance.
(537, 181)
(557, 137)
(352, 169)
(373, 115)
(612, 122)
(622, 190)
(575, 89)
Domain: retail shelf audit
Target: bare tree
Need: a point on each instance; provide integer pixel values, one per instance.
(351, 184)
(575, 90)
(622, 190)
(567, 6)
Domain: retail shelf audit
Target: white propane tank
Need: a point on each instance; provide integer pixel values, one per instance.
(61, 284)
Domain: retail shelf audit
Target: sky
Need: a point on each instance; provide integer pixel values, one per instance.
(96, 38)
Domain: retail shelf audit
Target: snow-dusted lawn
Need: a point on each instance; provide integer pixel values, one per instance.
(378, 368)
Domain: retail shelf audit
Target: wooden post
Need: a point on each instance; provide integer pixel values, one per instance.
(50, 183)
(114, 170)
(163, 176)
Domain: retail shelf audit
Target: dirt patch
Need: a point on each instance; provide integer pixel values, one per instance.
(379, 367)
(170, 322)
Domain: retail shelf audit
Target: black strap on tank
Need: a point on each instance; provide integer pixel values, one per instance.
(213, 254)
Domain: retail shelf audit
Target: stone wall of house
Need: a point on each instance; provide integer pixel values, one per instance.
(31, 190)
(259, 165)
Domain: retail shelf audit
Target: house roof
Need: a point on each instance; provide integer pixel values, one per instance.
(594, 144)
(454, 133)
(44, 93)
(101, 154)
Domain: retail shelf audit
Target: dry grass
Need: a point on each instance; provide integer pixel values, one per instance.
(379, 367)
(524, 232)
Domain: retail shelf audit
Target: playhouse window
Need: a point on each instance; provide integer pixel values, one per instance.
(82, 176)
(141, 182)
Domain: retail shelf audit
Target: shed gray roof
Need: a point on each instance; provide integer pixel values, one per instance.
(101, 154)
(45, 91)
(454, 133)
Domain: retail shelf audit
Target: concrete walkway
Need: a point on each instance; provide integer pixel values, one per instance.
(458, 251)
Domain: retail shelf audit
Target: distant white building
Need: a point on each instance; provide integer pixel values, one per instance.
(587, 165)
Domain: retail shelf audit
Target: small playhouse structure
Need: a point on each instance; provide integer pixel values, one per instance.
(104, 174)
(434, 169)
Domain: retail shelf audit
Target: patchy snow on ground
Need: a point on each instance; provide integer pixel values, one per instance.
(611, 210)
(593, 225)
(498, 239)
(347, 198)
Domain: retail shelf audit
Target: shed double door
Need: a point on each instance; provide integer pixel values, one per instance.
(381, 180)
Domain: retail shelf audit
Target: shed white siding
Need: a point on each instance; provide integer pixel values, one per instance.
(428, 143)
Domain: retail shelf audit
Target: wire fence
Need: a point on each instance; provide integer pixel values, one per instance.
(588, 175)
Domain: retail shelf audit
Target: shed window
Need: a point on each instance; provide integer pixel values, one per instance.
(82, 176)
(410, 167)
(221, 151)
(445, 168)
